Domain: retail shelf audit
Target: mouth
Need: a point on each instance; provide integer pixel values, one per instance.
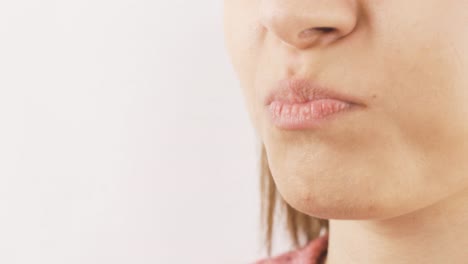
(297, 104)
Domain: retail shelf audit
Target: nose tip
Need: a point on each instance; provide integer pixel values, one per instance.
(304, 24)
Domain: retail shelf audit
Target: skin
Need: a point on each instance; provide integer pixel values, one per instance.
(392, 177)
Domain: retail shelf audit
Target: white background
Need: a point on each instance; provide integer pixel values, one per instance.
(123, 136)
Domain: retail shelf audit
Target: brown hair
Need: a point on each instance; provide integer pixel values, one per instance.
(299, 225)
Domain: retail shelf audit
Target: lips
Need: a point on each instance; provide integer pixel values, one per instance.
(302, 90)
(302, 104)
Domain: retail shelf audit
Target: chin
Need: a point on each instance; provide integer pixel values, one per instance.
(327, 182)
(330, 198)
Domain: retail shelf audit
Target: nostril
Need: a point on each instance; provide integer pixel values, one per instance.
(325, 29)
(313, 31)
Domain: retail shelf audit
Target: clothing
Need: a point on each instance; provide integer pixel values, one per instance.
(312, 253)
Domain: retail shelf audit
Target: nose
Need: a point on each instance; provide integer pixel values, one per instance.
(305, 23)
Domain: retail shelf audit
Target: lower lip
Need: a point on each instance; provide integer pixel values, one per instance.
(308, 115)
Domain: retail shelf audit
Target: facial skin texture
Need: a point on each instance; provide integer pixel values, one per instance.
(392, 177)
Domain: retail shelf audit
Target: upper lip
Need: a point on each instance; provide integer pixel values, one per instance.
(301, 90)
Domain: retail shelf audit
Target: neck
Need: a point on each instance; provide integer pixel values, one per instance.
(434, 234)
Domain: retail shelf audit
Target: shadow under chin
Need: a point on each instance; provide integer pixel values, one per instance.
(334, 205)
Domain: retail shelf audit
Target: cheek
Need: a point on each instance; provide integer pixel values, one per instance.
(416, 66)
(425, 100)
(243, 40)
(242, 35)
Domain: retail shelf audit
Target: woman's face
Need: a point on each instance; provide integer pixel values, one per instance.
(407, 63)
